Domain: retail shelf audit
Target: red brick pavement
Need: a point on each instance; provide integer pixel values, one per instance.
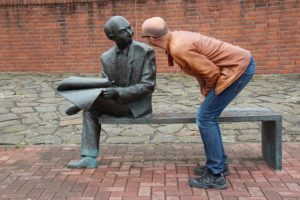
(143, 172)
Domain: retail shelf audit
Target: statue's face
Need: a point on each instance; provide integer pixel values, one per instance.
(122, 32)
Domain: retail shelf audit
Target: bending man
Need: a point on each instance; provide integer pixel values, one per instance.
(222, 71)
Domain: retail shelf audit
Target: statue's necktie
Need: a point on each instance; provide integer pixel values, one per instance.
(122, 69)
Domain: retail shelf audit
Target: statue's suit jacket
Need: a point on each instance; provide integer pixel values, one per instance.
(141, 77)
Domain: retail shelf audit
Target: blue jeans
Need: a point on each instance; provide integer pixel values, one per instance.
(207, 120)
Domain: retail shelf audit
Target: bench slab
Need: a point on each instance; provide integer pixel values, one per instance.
(228, 115)
(271, 127)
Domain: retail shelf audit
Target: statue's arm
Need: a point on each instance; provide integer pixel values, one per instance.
(145, 86)
(103, 73)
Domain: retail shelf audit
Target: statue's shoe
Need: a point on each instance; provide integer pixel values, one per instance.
(85, 162)
(72, 110)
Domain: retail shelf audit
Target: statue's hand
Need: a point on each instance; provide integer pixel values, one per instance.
(109, 93)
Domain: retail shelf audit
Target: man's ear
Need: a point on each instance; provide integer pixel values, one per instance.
(152, 40)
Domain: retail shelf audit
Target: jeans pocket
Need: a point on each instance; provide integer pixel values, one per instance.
(251, 67)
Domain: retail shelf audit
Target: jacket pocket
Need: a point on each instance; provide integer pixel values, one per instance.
(226, 72)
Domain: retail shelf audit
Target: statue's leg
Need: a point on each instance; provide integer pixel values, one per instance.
(90, 141)
(90, 134)
(91, 129)
(72, 110)
(111, 107)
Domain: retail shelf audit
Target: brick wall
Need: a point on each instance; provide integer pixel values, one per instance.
(61, 36)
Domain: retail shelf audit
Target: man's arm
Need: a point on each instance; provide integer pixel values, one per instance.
(201, 67)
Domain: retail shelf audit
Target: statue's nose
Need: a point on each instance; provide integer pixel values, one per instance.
(129, 30)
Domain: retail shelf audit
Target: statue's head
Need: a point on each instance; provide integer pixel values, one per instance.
(118, 29)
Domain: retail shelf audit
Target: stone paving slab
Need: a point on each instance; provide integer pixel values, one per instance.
(143, 172)
(32, 113)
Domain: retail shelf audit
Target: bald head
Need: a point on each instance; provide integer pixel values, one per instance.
(154, 27)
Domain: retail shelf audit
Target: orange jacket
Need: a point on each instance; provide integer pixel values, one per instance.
(214, 63)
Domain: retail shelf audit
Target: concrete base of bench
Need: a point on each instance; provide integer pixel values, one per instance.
(271, 126)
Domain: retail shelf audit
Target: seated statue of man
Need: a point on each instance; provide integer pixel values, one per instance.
(131, 67)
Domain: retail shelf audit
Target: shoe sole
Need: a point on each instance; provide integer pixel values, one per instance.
(217, 187)
(198, 173)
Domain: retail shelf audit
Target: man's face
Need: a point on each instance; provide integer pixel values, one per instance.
(150, 40)
(122, 33)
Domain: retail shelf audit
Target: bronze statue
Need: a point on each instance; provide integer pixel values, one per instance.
(125, 89)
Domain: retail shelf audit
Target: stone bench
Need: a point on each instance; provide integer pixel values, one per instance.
(271, 126)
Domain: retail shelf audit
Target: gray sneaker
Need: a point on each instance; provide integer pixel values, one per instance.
(208, 180)
(200, 170)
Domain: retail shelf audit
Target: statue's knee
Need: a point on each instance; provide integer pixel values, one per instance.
(90, 114)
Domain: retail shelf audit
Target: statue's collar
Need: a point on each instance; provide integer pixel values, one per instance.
(125, 51)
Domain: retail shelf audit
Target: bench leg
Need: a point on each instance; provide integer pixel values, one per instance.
(272, 143)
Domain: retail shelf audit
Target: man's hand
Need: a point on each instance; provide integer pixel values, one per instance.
(110, 93)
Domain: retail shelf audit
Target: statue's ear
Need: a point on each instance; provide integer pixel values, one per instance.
(111, 36)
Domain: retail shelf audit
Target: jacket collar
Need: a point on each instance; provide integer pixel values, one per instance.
(170, 58)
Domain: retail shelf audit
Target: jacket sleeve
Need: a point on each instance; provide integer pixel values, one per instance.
(202, 68)
(146, 84)
(103, 71)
